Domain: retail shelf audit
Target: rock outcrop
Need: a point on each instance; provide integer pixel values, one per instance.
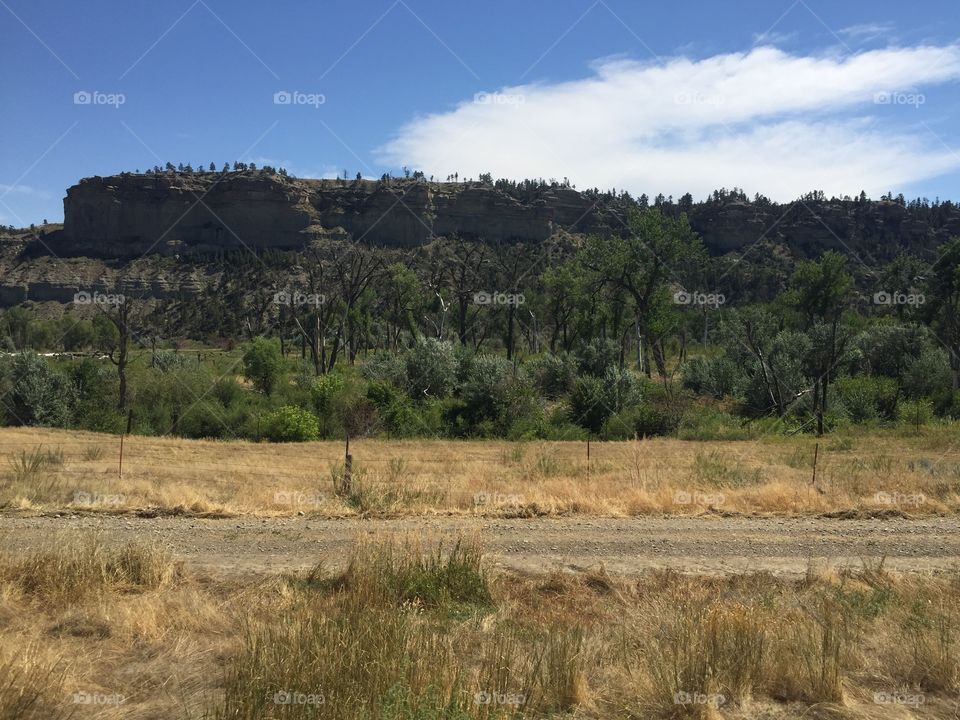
(129, 216)
(134, 215)
(153, 231)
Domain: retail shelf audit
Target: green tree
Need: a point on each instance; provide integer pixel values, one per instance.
(943, 302)
(404, 293)
(819, 292)
(641, 266)
(263, 365)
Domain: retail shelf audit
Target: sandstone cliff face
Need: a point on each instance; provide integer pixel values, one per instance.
(127, 228)
(875, 231)
(129, 216)
(133, 215)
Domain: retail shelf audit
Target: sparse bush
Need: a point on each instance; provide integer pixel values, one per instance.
(33, 472)
(79, 566)
(92, 453)
(707, 649)
(31, 685)
(166, 360)
(393, 573)
(709, 423)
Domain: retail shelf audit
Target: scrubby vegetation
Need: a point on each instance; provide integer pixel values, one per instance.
(623, 337)
(423, 629)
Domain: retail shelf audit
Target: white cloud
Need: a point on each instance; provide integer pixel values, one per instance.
(23, 190)
(764, 120)
(867, 31)
(772, 37)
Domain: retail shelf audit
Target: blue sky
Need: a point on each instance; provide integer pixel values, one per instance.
(775, 97)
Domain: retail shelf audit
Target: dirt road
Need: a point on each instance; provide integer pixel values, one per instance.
(696, 545)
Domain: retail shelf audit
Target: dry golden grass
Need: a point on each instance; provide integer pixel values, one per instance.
(872, 473)
(415, 630)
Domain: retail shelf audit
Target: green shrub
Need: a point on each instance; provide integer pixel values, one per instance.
(161, 399)
(324, 390)
(596, 356)
(291, 424)
(915, 412)
(595, 399)
(203, 420)
(383, 366)
(39, 394)
(623, 388)
(928, 374)
(487, 391)
(165, 360)
(228, 391)
(95, 386)
(644, 420)
(588, 403)
(718, 377)
(263, 365)
(867, 398)
(431, 369)
(553, 375)
(707, 423)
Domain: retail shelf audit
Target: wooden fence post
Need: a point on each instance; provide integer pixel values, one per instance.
(346, 485)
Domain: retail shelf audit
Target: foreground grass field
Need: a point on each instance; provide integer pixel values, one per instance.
(883, 471)
(422, 629)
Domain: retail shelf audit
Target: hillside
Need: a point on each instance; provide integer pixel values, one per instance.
(157, 231)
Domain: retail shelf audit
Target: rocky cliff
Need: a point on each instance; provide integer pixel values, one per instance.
(133, 215)
(129, 216)
(151, 231)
